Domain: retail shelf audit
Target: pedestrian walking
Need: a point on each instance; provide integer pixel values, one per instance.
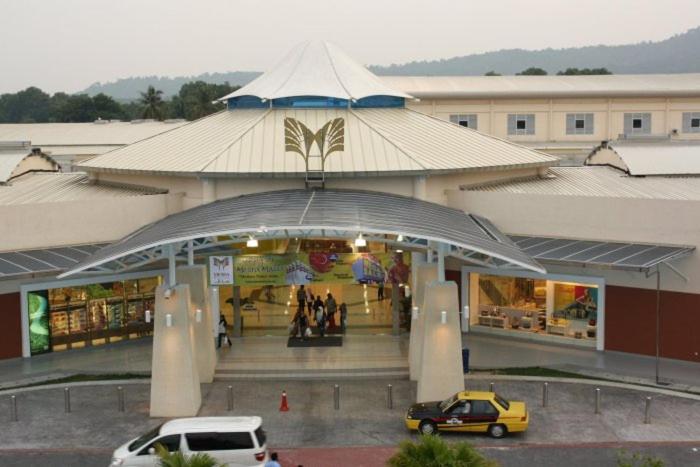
(331, 309)
(310, 300)
(303, 325)
(380, 291)
(343, 317)
(301, 297)
(274, 461)
(223, 332)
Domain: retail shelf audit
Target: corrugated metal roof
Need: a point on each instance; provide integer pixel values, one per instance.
(321, 210)
(78, 150)
(76, 134)
(655, 158)
(547, 86)
(48, 260)
(317, 69)
(56, 187)
(376, 141)
(602, 182)
(613, 255)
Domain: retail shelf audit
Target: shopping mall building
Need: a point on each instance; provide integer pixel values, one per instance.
(320, 173)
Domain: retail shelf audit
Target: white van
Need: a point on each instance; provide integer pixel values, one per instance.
(232, 441)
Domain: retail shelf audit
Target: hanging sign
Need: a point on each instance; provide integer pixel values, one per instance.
(220, 270)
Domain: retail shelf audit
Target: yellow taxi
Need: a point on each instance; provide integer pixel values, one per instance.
(476, 411)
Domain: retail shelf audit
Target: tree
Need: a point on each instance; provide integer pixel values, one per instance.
(585, 71)
(196, 99)
(433, 451)
(533, 71)
(152, 103)
(178, 459)
(107, 108)
(28, 106)
(491, 73)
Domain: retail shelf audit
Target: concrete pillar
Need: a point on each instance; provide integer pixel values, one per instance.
(425, 273)
(208, 190)
(441, 358)
(417, 258)
(215, 311)
(175, 390)
(204, 349)
(237, 321)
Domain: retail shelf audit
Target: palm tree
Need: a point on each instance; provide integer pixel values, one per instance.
(178, 459)
(152, 103)
(433, 451)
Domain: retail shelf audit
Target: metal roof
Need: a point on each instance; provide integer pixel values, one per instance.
(474, 87)
(9, 160)
(604, 182)
(317, 69)
(251, 142)
(322, 213)
(614, 255)
(48, 260)
(12, 154)
(81, 134)
(42, 187)
(650, 157)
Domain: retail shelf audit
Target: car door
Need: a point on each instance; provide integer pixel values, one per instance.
(482, 414)
(456, 417)
(146, 455)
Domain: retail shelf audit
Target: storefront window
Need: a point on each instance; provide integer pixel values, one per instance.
(539, 307)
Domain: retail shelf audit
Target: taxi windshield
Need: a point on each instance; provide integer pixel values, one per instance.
(502, 402)
(447, 403)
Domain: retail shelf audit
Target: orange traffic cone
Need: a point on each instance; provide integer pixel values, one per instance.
(284, 407)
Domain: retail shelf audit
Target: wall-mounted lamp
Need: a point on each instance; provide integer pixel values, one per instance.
(399, 238)
(407, 290)
(148, 316)
(414, 313)
(168, 293)
(360, 241)
(198, 315)
(251, 243)
(367, 310)
(399, 251)
(465, 312)
(443, 317)
(169, 320)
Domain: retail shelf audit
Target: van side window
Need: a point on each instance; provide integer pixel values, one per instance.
(219, 441)
(261, 435)
(170, 442)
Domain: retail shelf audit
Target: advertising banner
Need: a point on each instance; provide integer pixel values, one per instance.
(220, 270)
(321, 267)
(38, 308)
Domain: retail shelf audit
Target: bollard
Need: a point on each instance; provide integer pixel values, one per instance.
(491, 386)
(66, 399)
(389, 397)
(336, 397)
(13, 408)
(647, 411)
(597, 400)
(120, 399)
(230, 398)
(545, 394)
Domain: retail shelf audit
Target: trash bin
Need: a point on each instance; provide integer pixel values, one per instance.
(465, 360)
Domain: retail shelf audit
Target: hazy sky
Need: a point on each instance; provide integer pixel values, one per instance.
(69, 44)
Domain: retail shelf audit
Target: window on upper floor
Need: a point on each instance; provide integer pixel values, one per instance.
(638, 124)
(521, 124)
(467, 120)
(579, 124)
(691, 122)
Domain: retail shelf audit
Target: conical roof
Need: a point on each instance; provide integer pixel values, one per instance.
(317, 69)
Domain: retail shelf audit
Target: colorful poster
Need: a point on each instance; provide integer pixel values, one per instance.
(320, 267)
(572, 301)
(38, 308)
(220, 270)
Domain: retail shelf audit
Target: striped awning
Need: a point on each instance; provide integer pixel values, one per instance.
(612, 255)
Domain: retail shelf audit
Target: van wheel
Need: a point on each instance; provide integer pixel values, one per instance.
(427, 427)
(497, 431)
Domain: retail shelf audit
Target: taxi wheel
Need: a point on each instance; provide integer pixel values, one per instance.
(497, 430)
(427, 427)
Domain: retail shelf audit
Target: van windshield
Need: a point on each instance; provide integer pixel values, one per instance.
(143, 439)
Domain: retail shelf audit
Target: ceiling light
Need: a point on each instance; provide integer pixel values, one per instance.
(251, 243)
(360, 242)
(399, 238)
(399, 251)
(443, 317)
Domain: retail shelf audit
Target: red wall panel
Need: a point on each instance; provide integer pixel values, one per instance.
(10, 326)
(630, 322)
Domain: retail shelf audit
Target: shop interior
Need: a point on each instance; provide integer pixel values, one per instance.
(538, 307)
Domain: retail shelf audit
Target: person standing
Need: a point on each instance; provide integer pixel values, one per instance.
(273, 462)
(380, 291)
(343, 317)
(301, 297)
(331, 308)
(321, 318)
(223, 331)
(303, 324)
(310, 300)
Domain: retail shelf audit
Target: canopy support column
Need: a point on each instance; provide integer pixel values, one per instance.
(190, 252)
(172, 280)
(441, 261)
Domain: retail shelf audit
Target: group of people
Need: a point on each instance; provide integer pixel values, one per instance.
(324, 313)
